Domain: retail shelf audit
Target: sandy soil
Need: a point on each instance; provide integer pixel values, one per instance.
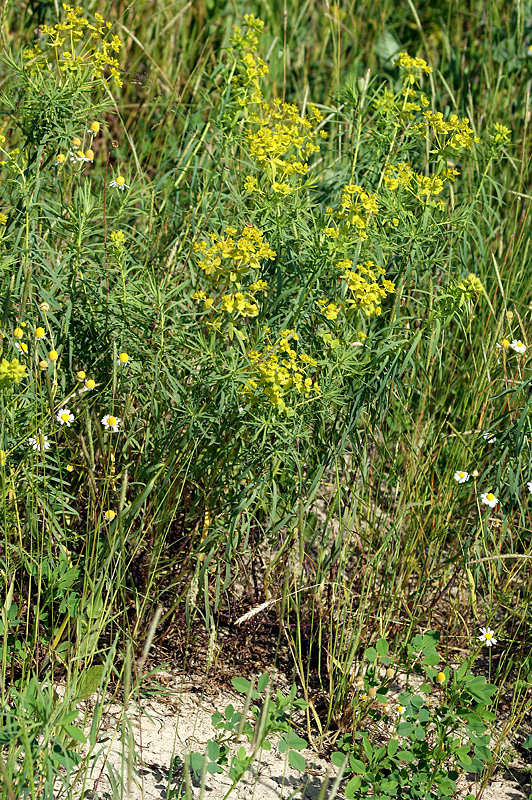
(167, 728)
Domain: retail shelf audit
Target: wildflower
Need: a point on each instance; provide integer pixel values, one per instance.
(90, 384)
(94, 128)
(399, 709)
(77, 156)
(18, 333)
(111, 422)
(486, 635)
(89, 155)
(65, 417)
(22, 347)
(518, 346)
(76, 142)
(461, 477)
(504, 345)
(372, 692)
(529, 486)
(81, 375)
(120, 183)
(440, 677)
(59, 160)
(53, 355)
(109, 514)
(3, 219)
(489, 499)
(69, 468)
(39, 443)
(43, 365)
(123, 360)
(489, 437)
(40, 333)
(44, 307)
(363, 697)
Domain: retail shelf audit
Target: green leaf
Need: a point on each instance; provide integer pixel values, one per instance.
(357, 766)
(89, 681)
(212, 750)
(371, 654)
(263, 682)
(527, 744)
(241, 685)
(406, 755)
(296, 760)
(352, 787)
(431, 659)
(392, 747)
(337, 758)
(75, 733)
(196, 762)
(213, 768)
(382, 647)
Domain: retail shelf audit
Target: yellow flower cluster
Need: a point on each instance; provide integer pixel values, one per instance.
(403, 175)
(228, 259)
(98, 52)
(250, 67)
(457, 131)
(412, 68)
(279, 371)
(355, 210)
(330, 309)
(367, 292)
(226, 263)
(280, 140)
(11, 372)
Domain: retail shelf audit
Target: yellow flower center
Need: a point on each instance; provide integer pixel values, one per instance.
(60, 158)
(40, 333)
(120, 180)
(52, 355)
(505, 343)
(65, 416)
(76, 142)
(461, 474)
(81, 375)
(111, 421)
(490, 496)
(18, 333)
(488, 636)
(95, 127)
(90, 384)
(90, 154)
(123, 357)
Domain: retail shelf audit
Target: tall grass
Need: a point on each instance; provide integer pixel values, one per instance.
(332, 503)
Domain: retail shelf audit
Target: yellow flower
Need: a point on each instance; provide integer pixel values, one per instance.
(40, 333)
(123, 359)
(90, 384)
(94, 128)
(70, 468)
(18, 333)
(81, 375)
(440, 677)
(109, 514)
(53, 355)
(44, 307)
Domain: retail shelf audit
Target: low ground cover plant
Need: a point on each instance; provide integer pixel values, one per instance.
(263, 356)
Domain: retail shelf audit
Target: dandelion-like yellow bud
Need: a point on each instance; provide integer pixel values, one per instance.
(390, 672)
(109, 514)
(40, 333)
(123, 358)
(120, 180)
(94, 127)
(76, 142)
(90, 384)
(44, 307)
(18, 333)
(53, 355)
(440, 677)
(81, 375)
(90, 154)
(372, 692)
(43, 365)
(60, 158)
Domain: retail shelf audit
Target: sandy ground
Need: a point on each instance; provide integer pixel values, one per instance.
(182, 722)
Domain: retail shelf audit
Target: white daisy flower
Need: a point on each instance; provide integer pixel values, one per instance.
(399, 709)
(77, 156)
(22, 347)
(111, 423)
(489, 499)
(119, 183)
(461, 477)
(489, 437)
(39, 442)
(529, 486)
(65, 417)
(518, 346)
(486, 635)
